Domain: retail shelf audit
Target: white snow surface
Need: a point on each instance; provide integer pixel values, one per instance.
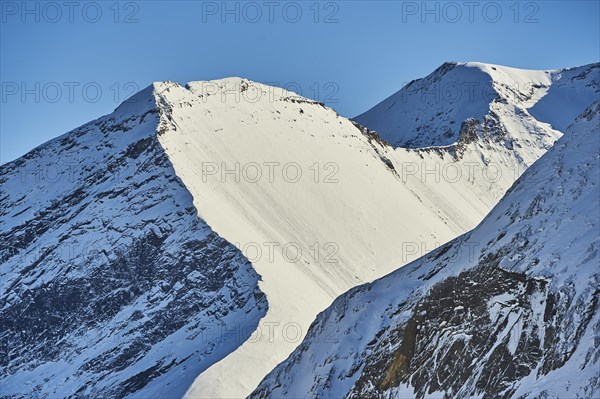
(547, 226)
(371, 209)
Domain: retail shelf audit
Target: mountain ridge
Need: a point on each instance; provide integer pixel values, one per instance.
(107, 266)
(497, 312)
(460, 90)
(140, 182)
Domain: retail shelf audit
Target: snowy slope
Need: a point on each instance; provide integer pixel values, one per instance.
(110, 284)
(509, 309)
(148, 296)
(370, 207)
(571, 90)
(428, 111)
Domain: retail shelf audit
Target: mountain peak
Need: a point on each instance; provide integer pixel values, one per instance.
(139, 103)
(428, 112)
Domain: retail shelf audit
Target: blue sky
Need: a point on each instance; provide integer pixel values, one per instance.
(63, 64)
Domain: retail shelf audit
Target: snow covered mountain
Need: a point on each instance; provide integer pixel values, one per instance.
(349, 209)
(509, 309)
(197, 231)
(428, 111)
(110, 284)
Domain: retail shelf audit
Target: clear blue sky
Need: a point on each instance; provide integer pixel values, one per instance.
(352, 54)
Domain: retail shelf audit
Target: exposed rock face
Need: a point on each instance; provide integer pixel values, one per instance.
(484, 323)
(509, 310)
(111, 286)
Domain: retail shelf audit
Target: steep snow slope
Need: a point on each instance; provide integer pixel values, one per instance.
(311, 198)
(428, 111)
(124, 291)
(509, 309)
(110, 284)
(571, 91)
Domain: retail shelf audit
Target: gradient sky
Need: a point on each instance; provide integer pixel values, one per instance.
(351, 54)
